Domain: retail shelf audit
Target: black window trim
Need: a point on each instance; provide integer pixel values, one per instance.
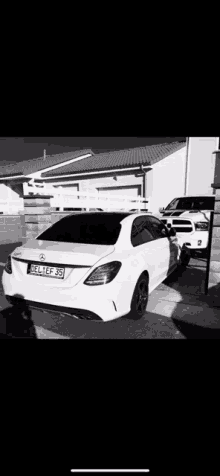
(133, 224)
(159, 222)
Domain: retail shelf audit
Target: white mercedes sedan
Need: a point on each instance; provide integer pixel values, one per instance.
(93, 265)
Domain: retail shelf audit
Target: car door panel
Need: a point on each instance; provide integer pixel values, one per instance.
(167, 247)
(174, 251)
(145, 259)
(152, 253)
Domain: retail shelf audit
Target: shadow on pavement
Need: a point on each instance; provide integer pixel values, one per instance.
(194, 331)
(195, 325)
(16, 321)
(148, 327)
(187, 280)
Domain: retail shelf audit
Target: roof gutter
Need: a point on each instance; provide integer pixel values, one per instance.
(113, 171)
(12, 177)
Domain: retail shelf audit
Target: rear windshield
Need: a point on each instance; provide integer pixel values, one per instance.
(97, 229)
(192, 203)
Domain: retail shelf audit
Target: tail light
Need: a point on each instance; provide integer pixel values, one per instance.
(8, 267)
(103, 274)
(202, 225)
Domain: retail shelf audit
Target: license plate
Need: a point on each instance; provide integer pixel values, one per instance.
(48, 271)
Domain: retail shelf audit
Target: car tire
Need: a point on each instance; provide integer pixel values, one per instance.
(204, 253)
(184, 258)
(140, 297)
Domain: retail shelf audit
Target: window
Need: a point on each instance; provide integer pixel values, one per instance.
(87, 228)
(140, 232)
(192, 203)
(158, 228)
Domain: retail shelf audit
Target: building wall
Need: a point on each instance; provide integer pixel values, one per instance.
(201, 164)
(13, 227)
(166, 180)
(92, 185)
(3, 192)
(163, 182)
(7, 192)
(13, 192)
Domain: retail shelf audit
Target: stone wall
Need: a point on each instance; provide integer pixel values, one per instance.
(14, 228)
(214, 267)
(11, 230)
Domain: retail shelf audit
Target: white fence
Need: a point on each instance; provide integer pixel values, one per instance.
(63, 199)
(89, 200)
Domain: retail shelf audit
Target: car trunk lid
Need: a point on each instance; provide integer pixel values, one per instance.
(75, 258)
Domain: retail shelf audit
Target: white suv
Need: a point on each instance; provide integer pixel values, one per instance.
(190, 216)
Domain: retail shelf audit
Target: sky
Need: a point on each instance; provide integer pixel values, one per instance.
(16, 149)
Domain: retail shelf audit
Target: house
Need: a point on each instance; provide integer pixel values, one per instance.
(159, 172)
(14, 179)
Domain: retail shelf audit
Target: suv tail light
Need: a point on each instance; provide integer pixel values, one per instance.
(202, 225)
(8, 267)
(103, 274)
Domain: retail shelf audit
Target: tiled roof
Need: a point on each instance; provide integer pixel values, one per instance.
(119, 159)
(35, 165)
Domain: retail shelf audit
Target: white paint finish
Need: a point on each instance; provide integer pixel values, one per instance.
(107, 301)
(10, 201)
(6, 193)
(201, 165)
(166, 180)
(3, 192)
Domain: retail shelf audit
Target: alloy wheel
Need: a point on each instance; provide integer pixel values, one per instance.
(141, 297)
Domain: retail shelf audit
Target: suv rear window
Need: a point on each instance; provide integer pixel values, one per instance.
(192, 203)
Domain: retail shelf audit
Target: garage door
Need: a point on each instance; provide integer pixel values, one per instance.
(69, 202)
(73, 188)
(131, 192)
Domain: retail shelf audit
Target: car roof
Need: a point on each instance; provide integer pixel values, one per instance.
(120, 214)
(194, 196)
(105, 213)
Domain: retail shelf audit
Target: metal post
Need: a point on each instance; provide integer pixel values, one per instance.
(144, 188)
(187, 166)
(209, 253)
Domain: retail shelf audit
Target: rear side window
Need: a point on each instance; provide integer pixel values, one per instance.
(140, 232)
(158, 228)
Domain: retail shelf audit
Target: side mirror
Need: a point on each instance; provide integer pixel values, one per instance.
(161, 210)
(172, 232)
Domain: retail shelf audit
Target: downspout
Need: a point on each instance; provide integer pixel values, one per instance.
(144, 184)
(187, 165)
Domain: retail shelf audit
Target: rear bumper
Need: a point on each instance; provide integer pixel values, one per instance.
(82, 302)
(78, 313)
